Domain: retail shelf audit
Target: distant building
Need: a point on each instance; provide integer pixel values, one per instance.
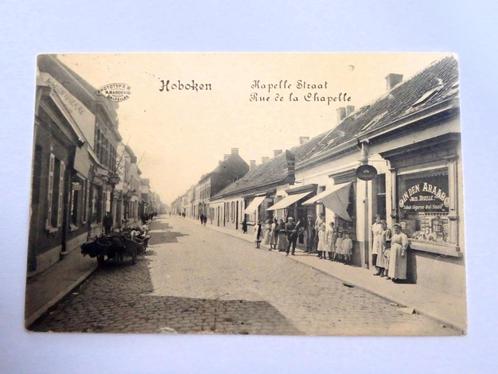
(229, 170)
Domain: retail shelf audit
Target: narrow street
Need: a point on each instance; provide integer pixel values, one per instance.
(197, 280)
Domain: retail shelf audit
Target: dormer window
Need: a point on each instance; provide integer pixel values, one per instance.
(374, 120)
(426, 96)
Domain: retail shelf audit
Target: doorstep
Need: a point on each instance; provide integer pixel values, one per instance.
(446, 308)
(45, 289)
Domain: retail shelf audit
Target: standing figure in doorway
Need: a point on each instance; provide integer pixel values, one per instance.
(310, 234)
(398, 256)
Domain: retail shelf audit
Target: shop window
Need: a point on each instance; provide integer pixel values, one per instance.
(380, 195)
(423, 205)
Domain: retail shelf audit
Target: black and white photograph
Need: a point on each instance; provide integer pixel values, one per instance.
(311, 194)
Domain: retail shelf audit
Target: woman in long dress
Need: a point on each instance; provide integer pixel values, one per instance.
(331, 235)
(267, 232)
(377, 257)
(322, 242)
(398, 256)
(338, 247)
(273, 234)
(282, 236)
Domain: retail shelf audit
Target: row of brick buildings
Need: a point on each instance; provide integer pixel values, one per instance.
(411, 135)
(81, 167)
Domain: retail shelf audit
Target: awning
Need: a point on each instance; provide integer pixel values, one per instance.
(336, 199)
(289, 200)
(254, 204)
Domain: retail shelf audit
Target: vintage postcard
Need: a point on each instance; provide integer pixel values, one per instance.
(247, 193)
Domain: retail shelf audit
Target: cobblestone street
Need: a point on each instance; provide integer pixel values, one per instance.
(197, 280)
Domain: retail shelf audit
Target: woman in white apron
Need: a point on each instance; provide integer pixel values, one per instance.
(398, 255)
(323, 248)
(377, 239)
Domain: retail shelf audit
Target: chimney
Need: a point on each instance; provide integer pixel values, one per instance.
(252, 164)
(341, 114)
(277, 152)
(226, 156)
(235, 151)
(303, 139)
(349, 110)
(393, 79)
(265, 159)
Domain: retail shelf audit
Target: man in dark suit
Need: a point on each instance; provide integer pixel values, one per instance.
(291, 230)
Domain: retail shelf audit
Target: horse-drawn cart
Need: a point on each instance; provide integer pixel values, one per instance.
(116, 246)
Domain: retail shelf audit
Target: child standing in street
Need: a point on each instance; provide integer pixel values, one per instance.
(338, 247)
(347, 248)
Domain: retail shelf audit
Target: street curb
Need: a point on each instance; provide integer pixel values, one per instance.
(417, 310)
(45, 307)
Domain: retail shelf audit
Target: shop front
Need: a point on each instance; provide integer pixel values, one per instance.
(291, 206)
(427, 201)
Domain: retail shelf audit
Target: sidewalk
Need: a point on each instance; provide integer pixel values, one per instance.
(47, 288)
(446, 308)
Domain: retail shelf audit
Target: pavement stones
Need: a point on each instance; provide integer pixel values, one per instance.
(196, 280)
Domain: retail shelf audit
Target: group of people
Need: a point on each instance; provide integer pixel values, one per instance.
(278, 234)
(203, 218)
(389, 250)
(335, 244)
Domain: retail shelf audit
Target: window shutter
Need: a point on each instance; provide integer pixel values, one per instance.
(50, 189)
(61, 195)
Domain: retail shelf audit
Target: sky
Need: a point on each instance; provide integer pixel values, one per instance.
(179, 135)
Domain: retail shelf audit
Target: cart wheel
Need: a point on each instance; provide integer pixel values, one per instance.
(100, 260)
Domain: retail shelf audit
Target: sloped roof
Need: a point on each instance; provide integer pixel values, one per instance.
(436, 83)
(271, 172)
(75, 84)
(234, 164)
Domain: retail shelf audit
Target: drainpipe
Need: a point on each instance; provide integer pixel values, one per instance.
(365, 253)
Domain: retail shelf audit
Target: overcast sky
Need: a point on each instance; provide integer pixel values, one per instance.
(180, 135)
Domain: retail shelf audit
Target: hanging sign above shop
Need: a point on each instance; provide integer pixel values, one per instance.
(366, 172)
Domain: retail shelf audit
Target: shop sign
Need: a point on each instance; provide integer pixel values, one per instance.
(424, 196)
(366, 172)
